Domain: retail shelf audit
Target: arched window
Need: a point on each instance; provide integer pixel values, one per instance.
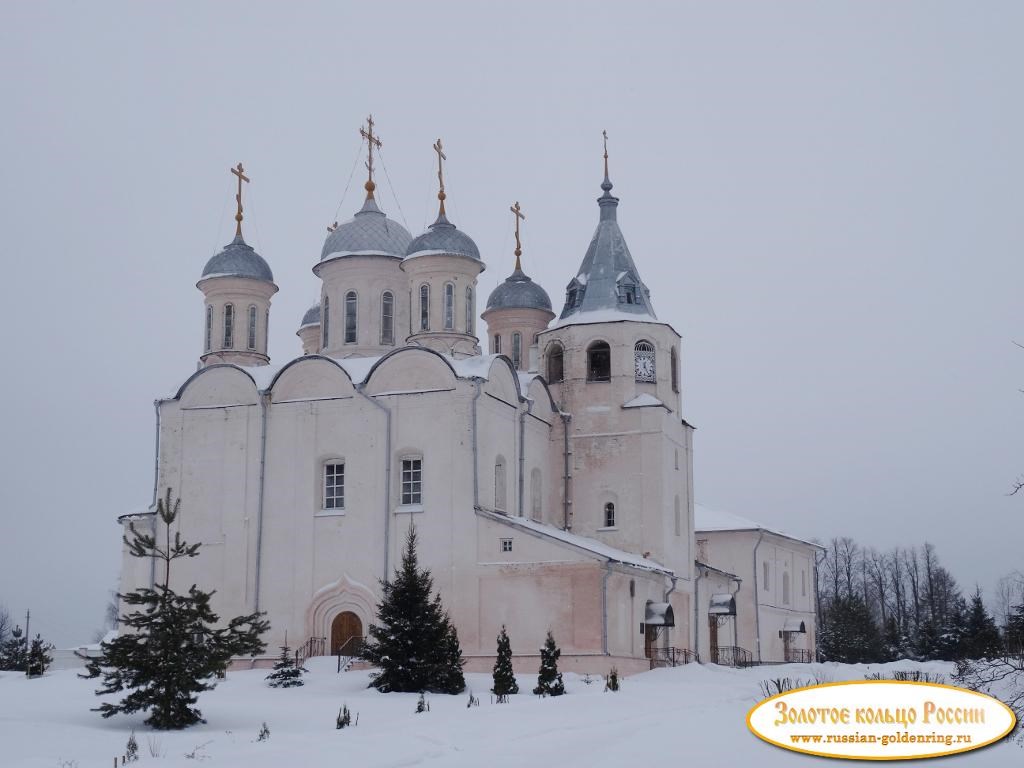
(556, 363)
(609, 515)
(499, 484)
(350, 317)
(599, 362)
(517, 350)
(679, 518)
(536, 490)
(387, 318)
(209, 328)
(675, 369)
(497, 345)
(229, 326)
(252, 326)
(325, 322)
(266, 330)
(424, 307)
(449, 306)
(643, 361)
(469, 311)
(785, 587)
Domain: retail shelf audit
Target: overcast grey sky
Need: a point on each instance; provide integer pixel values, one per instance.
(825, 199)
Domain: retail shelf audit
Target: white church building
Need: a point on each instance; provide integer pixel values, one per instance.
(549, 478)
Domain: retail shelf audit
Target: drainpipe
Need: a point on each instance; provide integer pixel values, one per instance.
(156, 480)
(264, 408)
(696, 612)
(387, 478)
(604, 608)
(566, 418)
(669, 592)
(522, 453)
(735, 631)
(476, 462)
(757, 598)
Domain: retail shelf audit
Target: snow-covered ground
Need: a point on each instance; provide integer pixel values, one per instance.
(693, 715)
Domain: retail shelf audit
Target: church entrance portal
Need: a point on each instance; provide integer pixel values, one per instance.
(346, 625)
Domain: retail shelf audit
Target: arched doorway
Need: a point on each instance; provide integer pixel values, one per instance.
(344, 627)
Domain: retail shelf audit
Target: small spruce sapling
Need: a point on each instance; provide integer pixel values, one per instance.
(549, 679)
(422, 705)
(14, 652)
(473, 701)
(611, 682)
(131, 750)
(286, 674)
(39, 658)
(264, 733)
(344, 718)
(504, 679)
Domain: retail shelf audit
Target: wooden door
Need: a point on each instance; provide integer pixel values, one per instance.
(650, 635)
(713, 639)
(345, 626)
(787, 645)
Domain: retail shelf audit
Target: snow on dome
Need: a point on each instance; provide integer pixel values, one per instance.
(238, 259)
(519, 292)
(443, 237)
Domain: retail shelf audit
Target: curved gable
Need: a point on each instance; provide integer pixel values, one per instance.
(218, 385)
(313, 377)
(540, 394)
(410, 369)
(503, 381)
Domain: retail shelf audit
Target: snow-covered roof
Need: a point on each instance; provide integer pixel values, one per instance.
(705, 519)
(644, 400)
(722, 604)
(603, 316)
(581, 542)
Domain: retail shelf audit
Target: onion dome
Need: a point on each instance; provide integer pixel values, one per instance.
(442, 237)
(238, 259)
(519, 292)
(368, 233)
(312, 316)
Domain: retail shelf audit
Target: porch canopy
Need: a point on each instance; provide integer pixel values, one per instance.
(659, 615)
(722, 604)
(794, 625)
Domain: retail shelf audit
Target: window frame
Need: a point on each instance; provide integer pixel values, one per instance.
(674, 361)
(351, 317)
(517, 350)
(609, 518)
(786, 588)
(536, 494)
(599, 346)
(644, 350)
(556, 352)
(470, 319)
(229, 326)
(387, 319)
(497, 344)
(425, 307)
(209, 328)
(328, 500)
(501, 485)
(506, 546)
(325, 322)
(448, 319)
(411, 476)
(251, 336)
(766, 573)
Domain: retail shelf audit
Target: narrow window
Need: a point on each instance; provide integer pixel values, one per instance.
(470, 329)
(266, 330)
(387, 318)
(556, 363)
(609, 515)
(424, 307)
(675, 369)
(412, 480)
(449, 306)
(229, 326)
(209, 327)
(499, 485)
(506, 545)
(643, 361)
(599, 362)
(517, 350)
(497, 344)
(334, 485)
(679, 518)
(764, 570)
(350, 317)
(785, 588)
(803, 583)
(677, 458)
(535, 494)
(325, 321)
(252, 326)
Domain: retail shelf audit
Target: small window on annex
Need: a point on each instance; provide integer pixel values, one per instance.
(229, 326)
(412, 480)
(449, 306)
(506, 545)
(556, 363)
(325, 321)
(499, 485)
(334, 485)
(350, 317)
(252, 327)
(424, 307)
(387, 318)
(609, 515)
(599, 362)
(517, 350)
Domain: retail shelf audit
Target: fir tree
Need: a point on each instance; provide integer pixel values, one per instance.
(131, 750)
(849, 634)
(549, 679)
(170, 648)
(344, 719)
(39, 658)
(286, 674)
(504, 679)
(414, 645)
(14, 652)
(1015, 632)
(611, 682)
(981, 635)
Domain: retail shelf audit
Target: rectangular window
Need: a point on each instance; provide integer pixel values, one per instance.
(517, 350)
(609, 515)
(209, 327)
(506, 545)
(449, 307)
(334, 485)
(803, 583)
(252, 327)
(229, 326)
(497, 344)
(764, 582)
(350, 317)
(412, 480)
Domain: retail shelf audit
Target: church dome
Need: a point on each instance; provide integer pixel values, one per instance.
(238, 259)
(519, 292)
(369, 232)
(443, 237)
(312, 316)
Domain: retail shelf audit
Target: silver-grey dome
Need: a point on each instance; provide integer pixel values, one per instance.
(312, 316)
(369, 231)
(442, 235)
(238, 259)
(519, 292)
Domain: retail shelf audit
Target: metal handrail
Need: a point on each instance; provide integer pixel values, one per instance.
(731, 656)
(671, 657)
(315, 646)
(798, 656)
(350, 650)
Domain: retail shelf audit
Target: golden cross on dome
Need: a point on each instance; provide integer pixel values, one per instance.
(240, 173)
(371, 141)
(519, 246)
(605, 134)
(441, 156)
